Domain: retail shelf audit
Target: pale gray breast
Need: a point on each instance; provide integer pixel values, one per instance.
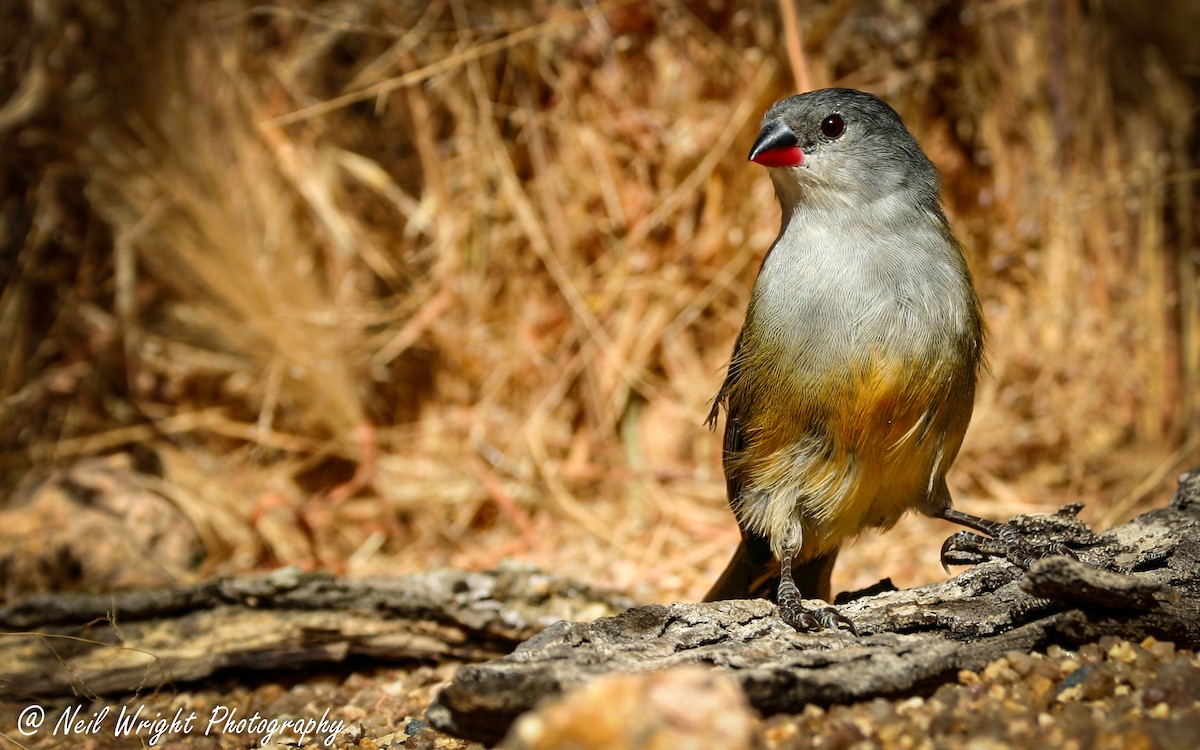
(828, 295)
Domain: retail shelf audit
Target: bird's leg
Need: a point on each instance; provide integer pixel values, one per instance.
(791, 605)
(1004, 540)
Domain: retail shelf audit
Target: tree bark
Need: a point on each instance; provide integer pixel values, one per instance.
(91, 645)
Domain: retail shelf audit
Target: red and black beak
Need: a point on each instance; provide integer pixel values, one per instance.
(777, 146)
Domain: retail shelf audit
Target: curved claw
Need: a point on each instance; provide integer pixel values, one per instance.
(946, 547)
(832, 619)
(961, 540)
(1058, 548)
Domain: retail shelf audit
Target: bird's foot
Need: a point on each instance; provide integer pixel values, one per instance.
(794, 612)
(1002, 540)
(808, 620)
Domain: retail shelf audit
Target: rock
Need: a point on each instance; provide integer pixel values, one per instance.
(682, 708)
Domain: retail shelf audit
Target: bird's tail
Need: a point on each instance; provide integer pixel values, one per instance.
(750, 576)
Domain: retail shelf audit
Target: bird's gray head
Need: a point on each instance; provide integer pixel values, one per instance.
(841, 147)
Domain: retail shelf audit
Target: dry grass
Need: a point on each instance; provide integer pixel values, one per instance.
(382, 287)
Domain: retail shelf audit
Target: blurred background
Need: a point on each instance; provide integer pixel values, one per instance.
(383, 286)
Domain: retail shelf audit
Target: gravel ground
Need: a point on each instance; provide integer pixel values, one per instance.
(1114, 694)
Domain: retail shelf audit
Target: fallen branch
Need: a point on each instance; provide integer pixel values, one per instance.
(1137, 580)
(71, 644)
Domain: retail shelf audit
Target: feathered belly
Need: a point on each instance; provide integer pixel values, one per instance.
(825, 460)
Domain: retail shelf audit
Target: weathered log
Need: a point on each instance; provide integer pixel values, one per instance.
(102, 644)
(1137, 580)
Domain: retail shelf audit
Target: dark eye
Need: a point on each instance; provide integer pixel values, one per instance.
(833, 126)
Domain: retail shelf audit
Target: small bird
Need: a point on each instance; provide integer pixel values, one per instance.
(853, 378)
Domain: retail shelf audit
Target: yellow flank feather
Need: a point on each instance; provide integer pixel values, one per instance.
(855, 452)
